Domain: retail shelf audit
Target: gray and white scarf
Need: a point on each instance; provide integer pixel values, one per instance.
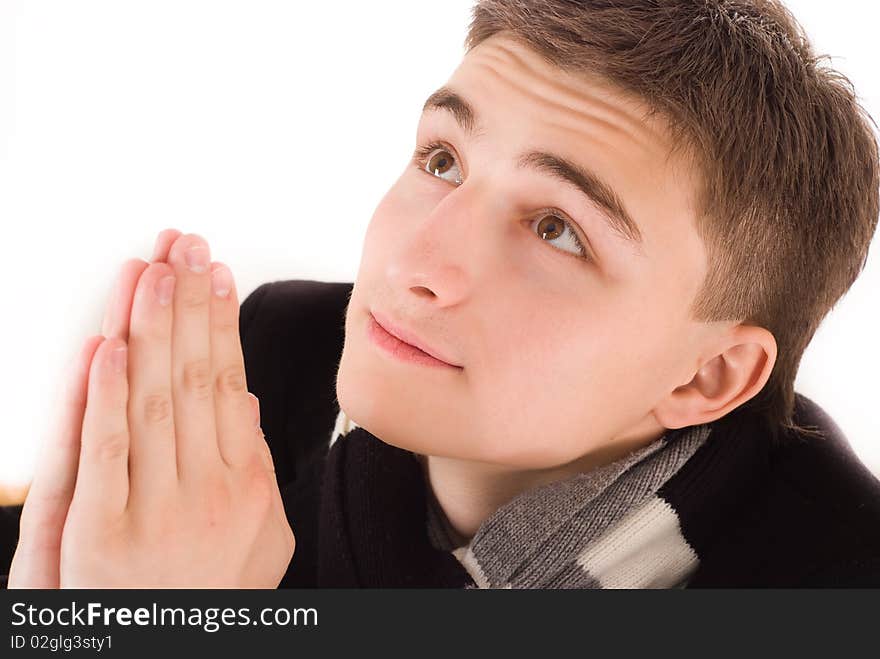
(606, 528)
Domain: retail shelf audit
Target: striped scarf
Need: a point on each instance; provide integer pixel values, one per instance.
(611, 527)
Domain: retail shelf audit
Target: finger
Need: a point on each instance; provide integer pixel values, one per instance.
(164, 241)
(152, 453)
(192, 373)
(262, 466)
(118, 309)
(102, 478)
(233, 403)
(36, 561)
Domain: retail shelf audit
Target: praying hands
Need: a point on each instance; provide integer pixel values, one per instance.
(157, 474)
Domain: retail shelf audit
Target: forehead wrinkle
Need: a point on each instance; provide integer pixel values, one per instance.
(608, 114)
(554, 82)
(576, 118)
(525, 90)
(554, 79)
(579, 125)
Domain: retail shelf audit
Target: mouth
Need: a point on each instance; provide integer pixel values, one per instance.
(403, 344)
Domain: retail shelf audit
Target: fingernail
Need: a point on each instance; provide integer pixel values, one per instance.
(221, 280)
(255, 404)
(156, 245)
(165, 289)
(196, 258)
(118, 359)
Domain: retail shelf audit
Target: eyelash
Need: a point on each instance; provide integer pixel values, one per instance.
(420, 161)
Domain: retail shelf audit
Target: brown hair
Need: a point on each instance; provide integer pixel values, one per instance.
(788, 201)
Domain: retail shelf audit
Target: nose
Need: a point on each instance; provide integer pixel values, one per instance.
(443, 254)
(442, 283)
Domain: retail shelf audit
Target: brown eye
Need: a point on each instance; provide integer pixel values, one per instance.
(552, 227)
(440, 162)
(437, 160)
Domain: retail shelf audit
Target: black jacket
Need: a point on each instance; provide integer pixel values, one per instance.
(803, 513)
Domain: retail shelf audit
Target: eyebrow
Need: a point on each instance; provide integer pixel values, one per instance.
(558, 167)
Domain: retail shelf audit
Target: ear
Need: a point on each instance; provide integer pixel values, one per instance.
(735, 372)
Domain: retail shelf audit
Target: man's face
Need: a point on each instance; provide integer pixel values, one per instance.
(562, 350)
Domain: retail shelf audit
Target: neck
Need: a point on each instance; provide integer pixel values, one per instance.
(469, 492)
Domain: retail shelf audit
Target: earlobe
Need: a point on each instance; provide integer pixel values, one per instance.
(724, 382)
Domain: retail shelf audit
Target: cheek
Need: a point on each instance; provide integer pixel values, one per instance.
(555, 390)
(379, 232)
(543, 392)
(399, 209)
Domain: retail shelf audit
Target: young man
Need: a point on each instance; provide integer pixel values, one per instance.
(568, 357)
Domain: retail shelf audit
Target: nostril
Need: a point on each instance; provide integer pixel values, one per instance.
(424, 290)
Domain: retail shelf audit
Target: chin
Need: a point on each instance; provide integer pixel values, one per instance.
(388, 422)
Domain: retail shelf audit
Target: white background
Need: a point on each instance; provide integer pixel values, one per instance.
(273, 129)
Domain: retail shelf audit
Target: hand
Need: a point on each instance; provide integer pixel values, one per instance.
(37, 559)
(169, 491)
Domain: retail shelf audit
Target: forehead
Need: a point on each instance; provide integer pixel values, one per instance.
(522, 101)
(581, 104)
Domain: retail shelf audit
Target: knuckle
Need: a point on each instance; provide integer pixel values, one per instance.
(197, 377)
(226, 324)
(232, 380)
(36, 529)
(261, 488)
(157, 408)
(40, 504)
(152, 332)
(146, 330)
(194, 299)
(110, 447)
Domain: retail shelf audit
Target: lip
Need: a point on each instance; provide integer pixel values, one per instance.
(405, 344)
